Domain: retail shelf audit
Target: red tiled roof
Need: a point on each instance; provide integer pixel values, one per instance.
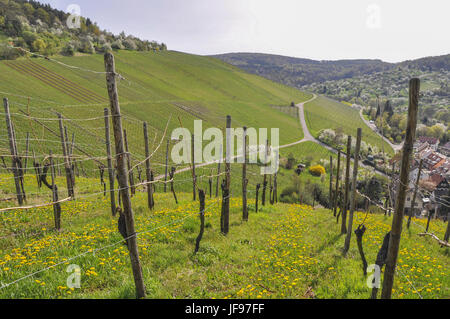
(429, 140)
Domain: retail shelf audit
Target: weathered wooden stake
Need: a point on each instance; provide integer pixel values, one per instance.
(194, 176)
(413, 203)
(112, 193)
(37, 170)
(430, 215)
(347, 187)
(130, 171)
(257, 196)
(56, 205)
(331, 182)
(359, 232)
(122, 173)
(201, 195)
(447, 232)
(336, 194)
(148, 174)
(210, 182)
(353, 194)
(265, 176)
(15, 167)
(394, 243)
(244, 177)
(172, 189)
(229, 151)
(66, 158)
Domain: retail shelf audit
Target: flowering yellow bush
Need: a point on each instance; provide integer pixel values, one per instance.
(317, 170)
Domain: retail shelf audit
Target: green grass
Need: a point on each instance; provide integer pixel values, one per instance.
(280, 253)
(324, 113)
(155, 86)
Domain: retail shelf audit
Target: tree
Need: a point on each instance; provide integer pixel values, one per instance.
(437, 131)
(39, 46)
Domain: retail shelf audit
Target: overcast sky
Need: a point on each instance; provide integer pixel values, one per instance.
(318, 29)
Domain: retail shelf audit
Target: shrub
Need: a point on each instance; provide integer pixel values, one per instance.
(68, 50)
(317, 170)
(117, 45)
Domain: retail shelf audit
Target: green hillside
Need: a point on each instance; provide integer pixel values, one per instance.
(324, 113)
(154, 87)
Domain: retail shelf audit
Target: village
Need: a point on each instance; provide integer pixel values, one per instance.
(428, 179)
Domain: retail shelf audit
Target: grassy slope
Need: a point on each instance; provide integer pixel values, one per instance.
(153, 83)
(279, 253)
(325, 113)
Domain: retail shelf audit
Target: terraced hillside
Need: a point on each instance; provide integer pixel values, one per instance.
(153, 88)
(56, 81)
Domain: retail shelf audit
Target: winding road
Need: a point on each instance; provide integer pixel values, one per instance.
(307, 137)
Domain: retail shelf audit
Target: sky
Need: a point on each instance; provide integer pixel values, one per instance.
(389, 30)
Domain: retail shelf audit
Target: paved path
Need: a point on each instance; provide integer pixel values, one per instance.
(307, 137)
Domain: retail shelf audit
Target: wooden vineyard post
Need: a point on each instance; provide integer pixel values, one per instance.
(210, 181)
(430, 215)
(331, 182)
(130, 171)
(148, 173)
(229, 151)
(201, 195)
(37, 170)
(338, 176)
(359, 232)
(257, 196)
(15, 166)
(353, 194)
(413, 203)
(122, 174)
(172, 189)
(112, 193)
(56, 205)
(66, 158)
(244, 178)
(347, 187)
(447, 232)
(167, 165)
(194, 177)
(263, 201)
(69, 156)
(394, 242)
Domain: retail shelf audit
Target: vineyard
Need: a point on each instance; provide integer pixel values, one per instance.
(93, 185)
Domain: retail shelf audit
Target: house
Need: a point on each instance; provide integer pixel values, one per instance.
(420, 147)
(432, 141)
(418, 206)
(445, 149)
(433, 161)
(441, 195)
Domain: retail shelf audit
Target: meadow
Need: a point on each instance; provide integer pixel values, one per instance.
(284, 251)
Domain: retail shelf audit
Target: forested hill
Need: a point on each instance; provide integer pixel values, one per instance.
(43, 30)
(299, 72)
